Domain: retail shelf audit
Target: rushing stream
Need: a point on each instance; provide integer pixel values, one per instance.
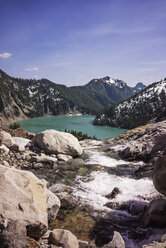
(90, 213)
(124, 212)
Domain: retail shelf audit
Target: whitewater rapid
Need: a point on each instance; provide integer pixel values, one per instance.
(93, 189)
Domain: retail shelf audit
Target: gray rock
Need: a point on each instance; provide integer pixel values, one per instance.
(83, 244)
(52, 141)
(58, 188)
(24, 197)
(116, 191)
(64, 238)
(156, 245)
(63, 157)
(159, 175)
(17, 148)
(35, 231)
(76, 162)
(117, 242)
(6, 139)
(14, 236)
(53, 205)
(4, 149)
(37, 165)
(5, 163)
(21, 141)
(155, 214)
(30, 135)
(44, 159)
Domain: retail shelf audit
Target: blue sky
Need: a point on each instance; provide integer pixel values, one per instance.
(74, 41)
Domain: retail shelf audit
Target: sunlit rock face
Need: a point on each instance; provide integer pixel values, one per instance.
(24, 197)
(52, 141)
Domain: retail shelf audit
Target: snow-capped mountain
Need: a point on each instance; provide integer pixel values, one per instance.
(139, 86)
(148, 105)
(32, 98)
(114, 89)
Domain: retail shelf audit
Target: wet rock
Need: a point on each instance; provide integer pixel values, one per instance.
(144, 171)
(67, 201)
(159, 175)
(14, 236)
(117, 242)
(116, 191)
(76, 162)
(58, 188)
(64, 238)
(112, 205)
(83, 244)
(35, 231)
(155, 214)
(6, 139)
(52, 141)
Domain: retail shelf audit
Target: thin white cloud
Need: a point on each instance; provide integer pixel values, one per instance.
(157, 62)
(5, 55)
(111, 30)
(58, 56)
(80, 76)
(63, 64)
(147, 69)
(107, 29)
(32, 69)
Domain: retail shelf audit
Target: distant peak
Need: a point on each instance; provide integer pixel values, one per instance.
(140, 86)
(109, 80)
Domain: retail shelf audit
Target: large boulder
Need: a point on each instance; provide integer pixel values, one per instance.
(52, 141)
(24, 197)
(159, 175)
(6, 139)
(155, 214)
(64, 238)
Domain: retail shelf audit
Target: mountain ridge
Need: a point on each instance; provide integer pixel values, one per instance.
(27, 98)
(146, 106)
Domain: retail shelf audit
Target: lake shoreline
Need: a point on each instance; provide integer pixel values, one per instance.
(78, 123)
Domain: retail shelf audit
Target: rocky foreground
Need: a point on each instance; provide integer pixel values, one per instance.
(40, 212)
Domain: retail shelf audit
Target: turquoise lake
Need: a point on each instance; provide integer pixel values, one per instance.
(78, 123)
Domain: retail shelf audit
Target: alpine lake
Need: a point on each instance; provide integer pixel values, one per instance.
(81, 123)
